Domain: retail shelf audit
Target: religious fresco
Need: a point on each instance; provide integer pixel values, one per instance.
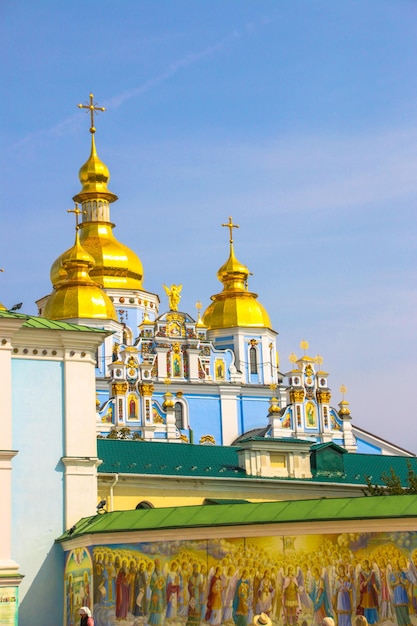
(294, 579)
(78, 590)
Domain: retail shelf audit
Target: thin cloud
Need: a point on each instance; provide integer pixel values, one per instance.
(73, 121)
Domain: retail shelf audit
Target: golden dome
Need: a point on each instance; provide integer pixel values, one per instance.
(235, 306)
(94, 176)
(2, 307)
(77, 295)
(115, 265)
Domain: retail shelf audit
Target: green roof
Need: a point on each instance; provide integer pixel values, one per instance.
(334, 509)
(155, 458)
(167, 459)
(41, 322)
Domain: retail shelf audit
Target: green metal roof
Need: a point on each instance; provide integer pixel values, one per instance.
(41, 322)
(155, 458)
(342, 509)
(167, 459)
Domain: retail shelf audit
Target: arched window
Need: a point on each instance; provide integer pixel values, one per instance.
(179, 417)
(253, 360)
(144, 505)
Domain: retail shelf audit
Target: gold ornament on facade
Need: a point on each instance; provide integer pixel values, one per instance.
(309, 370)
(168, 400)
(344, 408)
(174, 296)
(119, 389)
(184, 438)
(207, 439)
(304, 345)
(323, 397)
(297, 395)
(274, 406)
(146, 389)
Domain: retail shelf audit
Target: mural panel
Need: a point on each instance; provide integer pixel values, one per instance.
(294, 579)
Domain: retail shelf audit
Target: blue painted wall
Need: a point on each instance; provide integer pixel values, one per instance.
(37, 482)
(367, 448)
(205, 416)
(254, 412)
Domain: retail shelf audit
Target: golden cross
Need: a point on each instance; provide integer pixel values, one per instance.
(76, 212)
(231, 226)
(91, 107)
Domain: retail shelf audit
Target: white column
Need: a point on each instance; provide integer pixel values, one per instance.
(193, 363)
(229, 414)
(8, 327)
(80, 439)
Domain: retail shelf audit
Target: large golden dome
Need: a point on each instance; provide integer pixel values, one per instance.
(235, 305)
(115, 265)
(77, 295)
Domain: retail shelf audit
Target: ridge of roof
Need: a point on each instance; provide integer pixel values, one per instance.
(158, 458)
(241, 514)
(33, 321)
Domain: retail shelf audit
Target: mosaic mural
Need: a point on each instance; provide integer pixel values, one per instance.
(295, 580)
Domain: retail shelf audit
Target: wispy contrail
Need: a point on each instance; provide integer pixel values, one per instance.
(190, 59)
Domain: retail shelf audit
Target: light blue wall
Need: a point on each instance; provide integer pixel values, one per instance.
(205, 416)
(37, 483)
(254, 412)
(367, 448)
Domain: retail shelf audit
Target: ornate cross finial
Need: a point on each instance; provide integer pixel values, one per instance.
(230, 226)
(92, 108)
(343, 390)
(76, 212)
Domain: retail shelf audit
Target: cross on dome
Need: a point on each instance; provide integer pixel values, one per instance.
(92, 108)
(76, 212)
(231, 226)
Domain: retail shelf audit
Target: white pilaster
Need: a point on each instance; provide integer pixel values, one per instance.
(229, 414)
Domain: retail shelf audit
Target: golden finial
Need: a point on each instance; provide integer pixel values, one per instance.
(293, 358)
(77, 212)
(198, 306)
(318, 359)
(230, 226)
(343, 390)
(304, 346)
(92, 108)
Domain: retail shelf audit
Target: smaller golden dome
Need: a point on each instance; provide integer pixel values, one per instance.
(2, 307)
(77, 295)
(94, 176)
(235, 305)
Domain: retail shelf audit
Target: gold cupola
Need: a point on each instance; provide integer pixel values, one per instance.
(116, 266)
(235, 305)
(77, 296)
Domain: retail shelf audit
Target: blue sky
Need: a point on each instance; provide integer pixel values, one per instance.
(298, 118)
